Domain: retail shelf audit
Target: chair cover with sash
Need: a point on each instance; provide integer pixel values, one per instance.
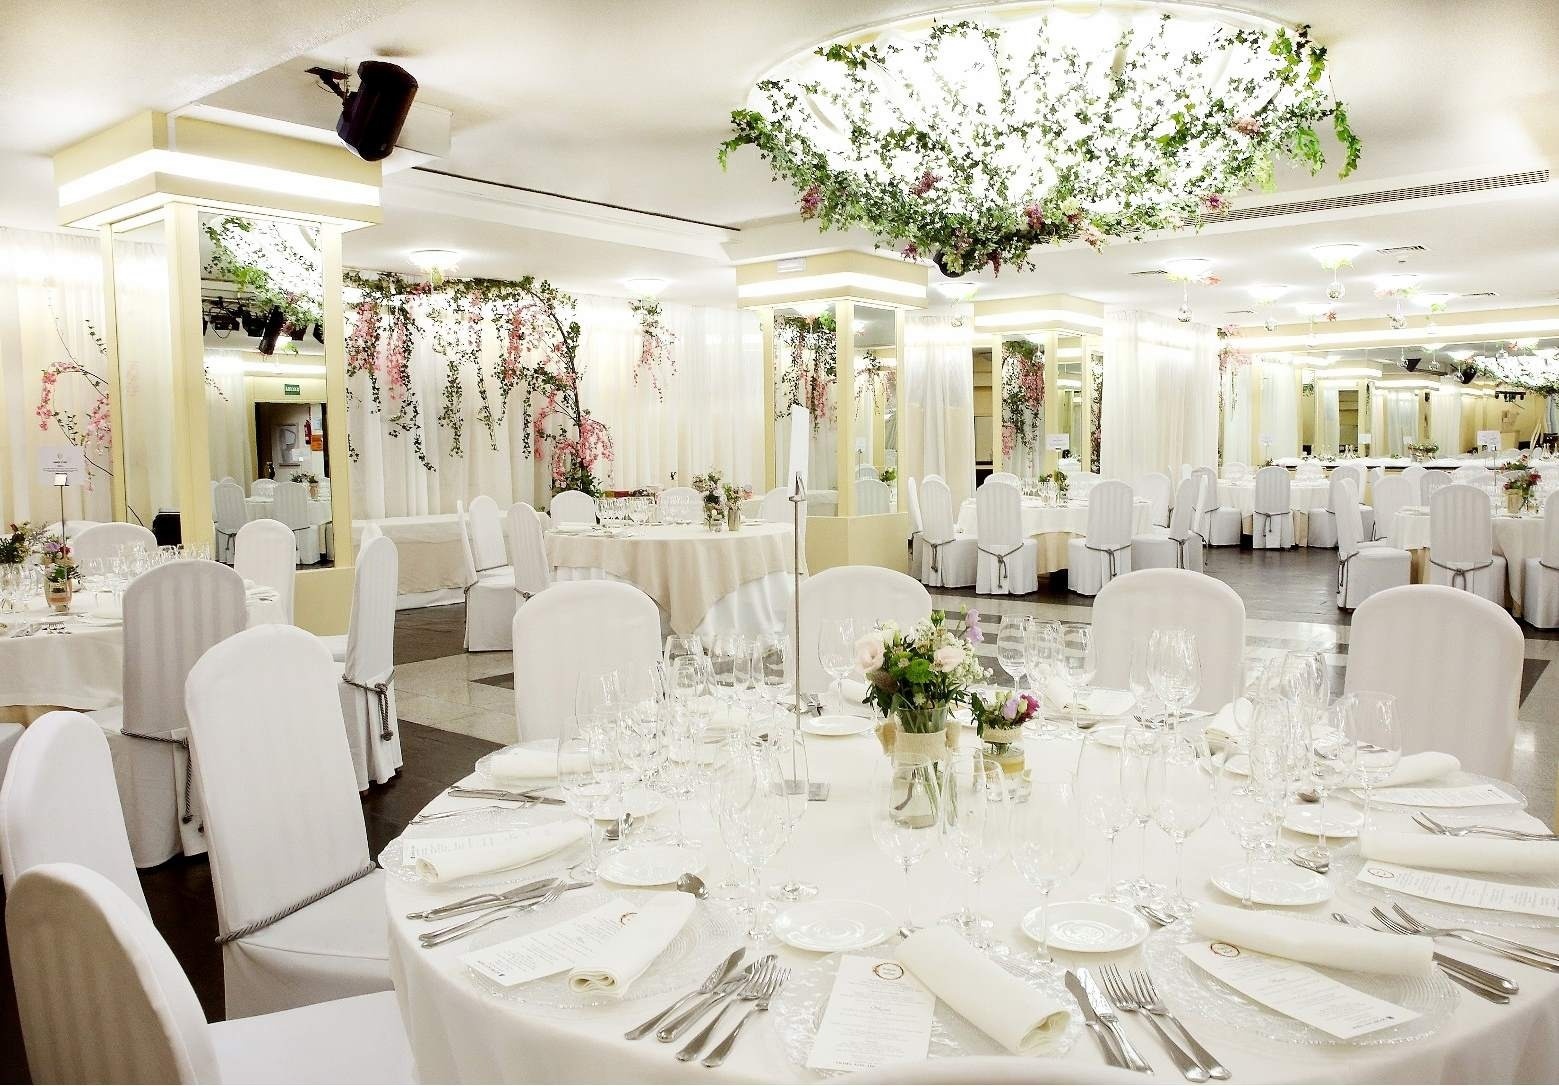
(1364, 567)
(1461, 542)
(101, 542)
(573, 629)
(1004, 477)
(228, 514)
(264, 553)
(1391, 494)
(1429, 483)
(1008, 561)
(864, 594)
(948, 560)
(1540, 587)
(1323, 522)
(1133, 605)
(367, 689)
(262, 488)
(532, 571)
(490, 597)
(871, 496)
(300, 903)
(1105, 552)
(1218, 525)
(172, 615)
(1178, 546)
(573, 507)
(1156, 488)
(290, 505)
(1272, 515)
(1463, 697)
(1414, 474)
(677, 505)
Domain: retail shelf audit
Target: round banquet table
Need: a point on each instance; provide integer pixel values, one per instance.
(1516, 537)
(461, 1034)
(1302, 497)
(704, 582)
(260, 509)
(81, 668)
(430, 556)
(1053, 526)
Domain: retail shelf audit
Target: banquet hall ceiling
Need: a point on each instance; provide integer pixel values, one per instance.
(624, 103)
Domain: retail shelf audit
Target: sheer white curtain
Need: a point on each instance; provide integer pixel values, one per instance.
(227, 405)
(1401, 410)
(1445, 420)
(1279, 410)
(1236, 416)
(1328, 427)
(938, 430)
(1160, 394)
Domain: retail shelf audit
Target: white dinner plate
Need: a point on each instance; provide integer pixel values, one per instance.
(1341, 822)
(640, 802)
(1090, 927)
(1109, 735)
(1275, 884)
(837, 725)
(1096, 705)
(833, 926)
(650, 865)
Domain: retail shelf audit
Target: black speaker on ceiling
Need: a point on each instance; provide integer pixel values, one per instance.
(1411, 364)
(272, 331)
(1468, 374)
(372, 115)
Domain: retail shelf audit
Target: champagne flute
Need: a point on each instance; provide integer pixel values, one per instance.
(1183, 782)
(790, 748)
(1106, 810)
(905, 809)
(836, 652)
(1175, 670)
(1141, 746)
(1042, 664)
(1078, 663)
(1149, 709)
(1371, 722)
(1010, 651)
(1047, 845)
(976, 828)
(1247, 815)
(1330, 756)
(732, 665)
(753, 812)
(588, 779)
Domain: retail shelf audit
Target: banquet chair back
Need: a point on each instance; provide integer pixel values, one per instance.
(1156, 488)
(912, 494)
(100, 542)
(1350, 472)
(1005, 559)
(866, 594)
(776, 506)
(1472, 475)
(100, 995)
(1414, 475)
(1350, 524)
(871, 496)
(1272, 517)
(865, 471)
(1461, 530)
(367, 689)
(572, 629)
(72, 528)
(262, 488)
(467, 551)
(58, 804)
(1430, 483)
(532, 571)
(1188, 495)
(172, 615)
(1110, 508)
(229, 514)
(573, 507)
(946, 558)
(680, 505)
(1466, 711)
(266, 552)
(1391, 494)
(1376, 474)
(1147, 599)
(1207, 502)
(1004, 477)
(291, 506)
(487, 547)
(1550, 552)
(936, 510)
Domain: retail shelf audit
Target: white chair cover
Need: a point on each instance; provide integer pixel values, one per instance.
(1430, 482)
(572, 629)
(1272, 516)
(1008, 562)
(1540, 586)
(573, 507)
(1004, 477)
(172, 615)
(1106, 551)
(1178, 546)
(1219, 526)
(1323, 522)
(1363, 568)
(1391, 494)
(490, 597)
(917, 525)
(865, 471)
(1131, 606)
(776, 506)
(264, 552)
(1376, 474)
(1236, 472)
(532, 571)
(679, 505)
(367, 688)
(948, 560)
(58, 804)
(866, 594)
(1414, 474)
(487, 546)
(871, 496)
(1472, 475)
(290, 505)
(284, 825)
(265, 488)
(1463, 697)
(1158, 490)
(103, 999)
(229, 514)
(1461, 542)
(102, 541)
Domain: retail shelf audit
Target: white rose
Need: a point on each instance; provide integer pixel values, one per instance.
(868, 653)
(947, 658)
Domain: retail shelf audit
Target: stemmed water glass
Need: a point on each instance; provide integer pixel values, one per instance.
(1186, 795)
(1247, 814)
(1047, 845)
(1010, 648)
(1042, 663)
(1174, 670)
(589, 778)
(976, 831)
(771, 666)
(1106, 810)
(1370, 720)
(752, 809)
(1329, 760)
(906, 813)
(1141, 747)
(790, 748)
(836, 652)
(1148, 709)
(1077, 662)
(680, 645)
(732, 660)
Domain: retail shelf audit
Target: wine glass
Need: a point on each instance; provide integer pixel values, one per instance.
(1149, 709)
(1183, 782)
(1247, 814)
(680, 645)
(790, 748)
(752, 809)
(1106, 810)
(1175, 670)
(597, 694)
(1010, 652)
(836, 652)
(906, 813)
(1329, 760)
(976, 827)
(771, 665)
(587, 778)
(1042, 665)
(1078, 663)
(1141, 747)
(1047, 845)
(1370, 720)
(732, 662)
(677, 764)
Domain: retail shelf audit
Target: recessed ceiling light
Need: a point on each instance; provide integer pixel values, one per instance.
(1191, 269)
(435, 263)
(1336, 255)
(1400, 281)
(646, 288)
(1267, 293)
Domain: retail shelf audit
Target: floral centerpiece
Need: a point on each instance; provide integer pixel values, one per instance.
(1000, 724)
(712, 488)
(1521, 486)
(17, 543)
(915, 675)
(889, 475)
(1421, 450)
(308, 478)
(59, 573)
(734, 496)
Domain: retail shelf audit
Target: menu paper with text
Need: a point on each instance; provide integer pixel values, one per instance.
(1468, 795)
(877, 1014)
(1460, 890)
(431, 847)
(550, 950)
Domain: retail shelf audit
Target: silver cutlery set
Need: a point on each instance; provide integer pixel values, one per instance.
(725, 987)
(1133, 993)
(1443, 829)
(491, 907)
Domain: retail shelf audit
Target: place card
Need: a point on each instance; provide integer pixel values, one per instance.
(551, 950)
(877, 1014)
(1298, 991)
(428, 847)
(1461, 890)
(1469, 795)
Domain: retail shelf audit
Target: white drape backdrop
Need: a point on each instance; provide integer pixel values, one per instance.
(938, 432)
(1401, 411)
(228, 423)
(1329, 426)
(1160, 394)
(1445, 420)
(1236, 417)
(1279, 410)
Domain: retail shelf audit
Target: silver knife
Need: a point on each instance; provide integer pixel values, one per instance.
(478, 902)
(1091, 1020)
(1106, 1013)
(531, 796)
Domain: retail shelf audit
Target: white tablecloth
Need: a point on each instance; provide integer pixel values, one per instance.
(432, 569)
(260, 509)
(460, 1034)
(1517, 538)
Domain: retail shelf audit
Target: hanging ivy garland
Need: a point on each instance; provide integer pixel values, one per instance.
(1022, 394)
(809, 347)
(1096, 414)
(260, 260)
(972, 142)
(656, 342)
(875, 379)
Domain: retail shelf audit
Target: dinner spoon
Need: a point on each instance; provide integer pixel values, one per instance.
(690, 883)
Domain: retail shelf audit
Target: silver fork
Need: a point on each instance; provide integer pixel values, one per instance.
(1125, 1000)
(466, 927)
(1516, 952)
(423, 818)
(684, 1021)
(712, 981)
(1147, 998)
(749, 992)
(1434, 826)
(1491, 986)
(776, 981)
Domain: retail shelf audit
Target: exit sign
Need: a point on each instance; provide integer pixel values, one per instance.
(292, 390)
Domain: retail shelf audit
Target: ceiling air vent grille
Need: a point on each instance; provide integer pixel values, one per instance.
(1397, 250)
(1150, 273)
(1480, 294)
(1385, 196)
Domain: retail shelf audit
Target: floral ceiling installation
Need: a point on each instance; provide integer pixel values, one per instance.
(657, 343)
(1522, 367)
(971, 142)
(275, 265)
(808, 347)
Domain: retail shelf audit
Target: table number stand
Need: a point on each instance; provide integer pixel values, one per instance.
(818, 790)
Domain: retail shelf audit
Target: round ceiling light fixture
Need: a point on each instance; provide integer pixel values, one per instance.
(1334, 257)
(436, 264)
(646, 287)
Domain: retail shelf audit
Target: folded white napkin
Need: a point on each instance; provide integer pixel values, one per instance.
(523, 764)
(623, 958)
(1315, 943)
(522, 848)
(1058, 698)
(853, 690)
(1416, 768)
(1021, 1020)
(1481, 855)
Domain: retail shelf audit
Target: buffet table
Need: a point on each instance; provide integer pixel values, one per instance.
(1517, 537)
(1054, 526)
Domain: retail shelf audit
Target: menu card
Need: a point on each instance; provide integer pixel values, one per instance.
(550, 950)
(412, 851)
(877, 1013)
(1470, 795)
(1298, 991)
(1460, 890)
